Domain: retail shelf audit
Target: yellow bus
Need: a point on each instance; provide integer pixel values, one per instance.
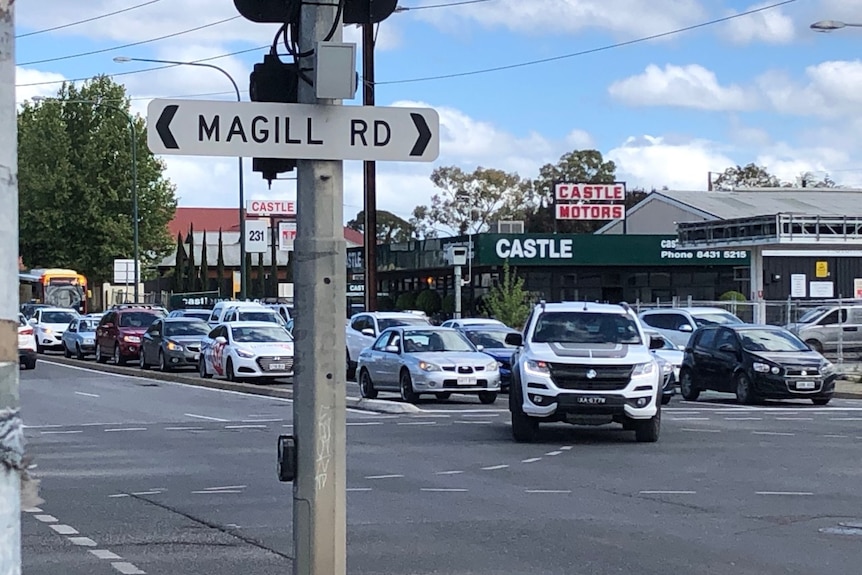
(55, 287)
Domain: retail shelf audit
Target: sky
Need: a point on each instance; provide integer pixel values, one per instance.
(670, 90)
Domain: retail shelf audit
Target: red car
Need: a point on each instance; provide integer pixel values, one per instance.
(121, 330)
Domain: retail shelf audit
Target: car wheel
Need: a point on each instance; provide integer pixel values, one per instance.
(744, 390)
(815, 345)
(366, 386)
(487, 397)
(66, 353)
(443, 395)
(99, 357)
(686, 386)
(524, 428)
(40, 349)
(163, 364)
(821, 400)
(665, 399)
(406, 385)
(351, 368)
(79, 354)
(142, 360)
(649, 430)
(229, 373)
(31, 364)
(202, 368)
(118, 357)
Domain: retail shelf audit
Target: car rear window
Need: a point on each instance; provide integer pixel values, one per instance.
(137, 318)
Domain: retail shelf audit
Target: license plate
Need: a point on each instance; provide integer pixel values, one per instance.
(466, 381)
(277, 367)
(197, 356)
(592, 400)
(805, 385)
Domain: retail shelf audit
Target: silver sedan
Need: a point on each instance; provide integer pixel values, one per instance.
(415, 360)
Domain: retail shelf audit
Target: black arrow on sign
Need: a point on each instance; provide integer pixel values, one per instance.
(163, 127)
(424, 134)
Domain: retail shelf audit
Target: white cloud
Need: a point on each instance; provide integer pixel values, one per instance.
(624, 17)
(833, 89)
(691, 86)
(30, 76)
(770, 26)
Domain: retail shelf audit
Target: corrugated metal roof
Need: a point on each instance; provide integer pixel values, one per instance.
(769, 201)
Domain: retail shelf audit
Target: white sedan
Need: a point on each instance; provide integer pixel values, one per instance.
(247, 350)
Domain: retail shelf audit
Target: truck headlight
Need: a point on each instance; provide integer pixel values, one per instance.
(537, 367)
(643, 368)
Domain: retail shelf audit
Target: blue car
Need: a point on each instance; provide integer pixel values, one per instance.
(79, 339)
(492, 339)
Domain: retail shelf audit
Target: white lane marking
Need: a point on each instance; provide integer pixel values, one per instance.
(432, 415)
(794, 419)
(126, 429)
(468, 421)
(531, 460)
(146, 492)
(702, 430)
(33, 510)
(836, 436)
(64, 529)
(566, 448)
(69, 432)
(127, 568)
(226, 491)
(449, 473)
(358, 489)
(226, 487)
(104, 554)
(772, 433)
(184, 428)
(688, 418)
(494, 467)
(481, 415)
(661, 492)
(417, 423)
(451, 411)
(561, 491)
(46, 518)
(845, 419)
(118, 495)
(743, 418)
(206, 417)
(82, 541)
(392, 476)
(261, 421)
(443, 490)
(86, 394)
(784, 493)
(247, 426)
(553, 453)
(363, 423)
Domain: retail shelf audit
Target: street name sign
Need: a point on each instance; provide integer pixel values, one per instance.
(297, 131)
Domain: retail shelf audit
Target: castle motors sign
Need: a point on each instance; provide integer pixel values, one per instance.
(589, 202)
(531, 248)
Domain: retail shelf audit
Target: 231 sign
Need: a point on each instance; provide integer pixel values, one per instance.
(255, 236)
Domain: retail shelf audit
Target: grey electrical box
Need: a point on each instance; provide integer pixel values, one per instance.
(335, 74)
(459, 256)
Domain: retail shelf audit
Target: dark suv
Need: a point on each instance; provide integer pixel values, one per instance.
(755, 362)
(120, 331)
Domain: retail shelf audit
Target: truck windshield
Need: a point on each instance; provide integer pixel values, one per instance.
(585, 327)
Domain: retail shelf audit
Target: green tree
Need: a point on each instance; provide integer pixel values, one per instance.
(205, 267)
(469, 201)
(508, 302)
(179, 284)
(748, 176)
(75, 182)
(220, 263)
(391, 229)
(192, 275)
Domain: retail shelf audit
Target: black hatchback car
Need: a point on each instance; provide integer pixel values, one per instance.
(755, 362)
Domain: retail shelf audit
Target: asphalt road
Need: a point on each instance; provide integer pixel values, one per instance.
(140, 476)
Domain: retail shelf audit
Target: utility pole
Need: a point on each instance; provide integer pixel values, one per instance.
(319, 410)
(370, 177)
(11, 429)
(458, 285)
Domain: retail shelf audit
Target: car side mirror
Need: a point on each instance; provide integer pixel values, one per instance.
(655, 342)
(32, 321)
(392, 349)
(221, 339)
(727, 348)
(368, 331)
(686, 328)
(515, 339)
(480, 347)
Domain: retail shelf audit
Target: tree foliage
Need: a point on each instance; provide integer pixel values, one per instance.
(754, 176)
(391, 229)
(75, 182)
(508, 301)
(204, 268)
(220, 277)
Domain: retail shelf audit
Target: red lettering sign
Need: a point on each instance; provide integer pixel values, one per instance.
(589, 212)
(591, 192)
(271, 208)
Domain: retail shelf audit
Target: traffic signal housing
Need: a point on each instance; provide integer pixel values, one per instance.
(273, 81)
(286, 12)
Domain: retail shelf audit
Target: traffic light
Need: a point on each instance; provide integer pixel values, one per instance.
(368, 11)
(265, 11)
(287, 12)
(273, 81)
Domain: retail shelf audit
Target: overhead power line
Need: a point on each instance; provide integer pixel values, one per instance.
(84, 21)
(447, 5)
(112, 48)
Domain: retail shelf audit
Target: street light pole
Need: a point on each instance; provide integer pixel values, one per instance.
(243, 282)
(135, 217)
(831, 25)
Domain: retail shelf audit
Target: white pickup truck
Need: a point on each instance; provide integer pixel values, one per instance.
(364, 328)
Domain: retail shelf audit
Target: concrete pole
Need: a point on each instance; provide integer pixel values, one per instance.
(11, 431)
(457, 292)
(319, 410)
(756, 280)
(369, 177)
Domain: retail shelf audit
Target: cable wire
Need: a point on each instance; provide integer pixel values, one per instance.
(461, 3)
(103, 50)
(591, 50)
(84, 21)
